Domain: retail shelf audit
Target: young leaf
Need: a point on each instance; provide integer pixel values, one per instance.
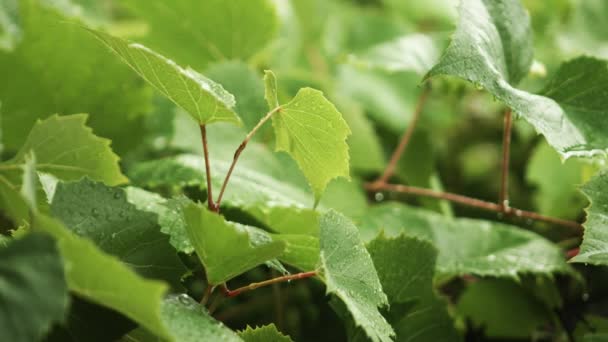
(200, 32)
(349, 274)
(33, 292)
(104, 215)
(492, 47)
(594, 249)
(105, 280)
(271, 96)
(406, 266)
(468, 246)
(313, 132)
(227, 249)
(266, 333)
(205, 100)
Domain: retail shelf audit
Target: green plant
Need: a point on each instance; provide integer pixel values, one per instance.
(344, 231)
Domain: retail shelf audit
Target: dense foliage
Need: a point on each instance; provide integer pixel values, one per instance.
(306, 170)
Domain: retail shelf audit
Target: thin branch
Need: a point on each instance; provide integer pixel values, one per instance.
(473, 202)
(253, 286)
(208, 292)
(210, 203)
(506, 150)
(240, 149)
(405, 139)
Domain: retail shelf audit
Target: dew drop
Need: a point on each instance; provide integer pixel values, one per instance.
(117, 195)
(379, 197)
(585, 297)
(184, 299)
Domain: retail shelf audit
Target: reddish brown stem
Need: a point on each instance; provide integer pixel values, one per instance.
(472, 202)
(240, 149)
(503, 200)
(253, 286)
(210, 203)
(207, 293)
(405, 139)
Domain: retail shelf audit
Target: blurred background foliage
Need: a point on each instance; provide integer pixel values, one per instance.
(49, 66)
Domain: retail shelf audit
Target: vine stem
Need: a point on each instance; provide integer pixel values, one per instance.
(212, 206)
(405, 139)
(472, 202)
(503, 199)
(240, 149)
(233, 293)
(207, 294)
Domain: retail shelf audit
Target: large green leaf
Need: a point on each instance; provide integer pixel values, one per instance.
(594, 249)
(105, 280)
(406, 266)
(468, 246)
(227, 249)
(105, 216)
(313, 132)
(349, 273)
(266, 333)
(492, 48)
(33, 292)
(64, 148)
(205, 100)
(58, 68)
(198, 32)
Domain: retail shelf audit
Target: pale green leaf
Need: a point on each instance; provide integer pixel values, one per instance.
(205, 100)
(594, 249)
(33, 292)
(104, 215)
(313, 132)
(266, 333)
(349, 274)
(227, 249)
(10, 30)
(301, 251)
(58, 68)
(28, 186)
(105, 280)
(492, 48)
(271, 93)
(411, 53)
(406, 266)
(198, 32)
(468, 246)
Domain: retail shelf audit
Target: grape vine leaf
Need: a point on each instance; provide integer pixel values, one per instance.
(469, 246)
(411, 53)
(406, 266)
(205, 100)
(71, 56)
(492, 47)
(266, 333)
(188, 321)
(104, 215)
(594, 249)
(227, 249)
(64, 148)
(313, 132)
(105, 280)
(349, 273)
(199, 32)
(33, 292)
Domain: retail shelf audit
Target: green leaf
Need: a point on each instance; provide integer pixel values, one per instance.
(104, 215)
(594, 249)
(349, 273)
(271, 93)
(205, 100)
(557, 182)
(10, 30)
(64, 148)
(33, 292)
(198, 32)
(301, 251)
(492, 48)
(468, 246)
(266, 333)
(58, 68)
(313, 132)
(514, 313)
(406, 266)
(105, 280)
(227, 249)
(188, 321)
(411, 53)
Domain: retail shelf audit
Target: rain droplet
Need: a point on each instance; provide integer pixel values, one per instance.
(184, 299)
(379, 197)
(585, 297)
